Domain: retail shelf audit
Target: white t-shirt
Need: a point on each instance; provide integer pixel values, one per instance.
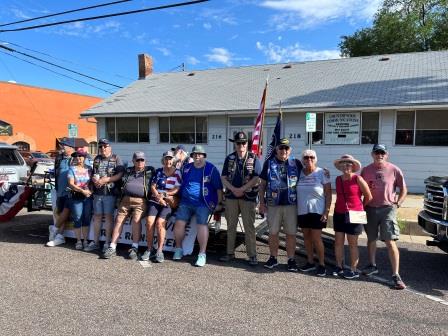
(310, 192)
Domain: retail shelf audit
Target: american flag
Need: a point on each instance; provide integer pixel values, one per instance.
(258, 128)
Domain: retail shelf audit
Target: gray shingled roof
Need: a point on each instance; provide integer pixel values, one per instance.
(402, 80)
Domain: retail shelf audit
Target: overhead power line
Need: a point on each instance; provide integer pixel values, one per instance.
(65, 12)
(64, 60)
(106, 16)
(56, 72)
(58, 66)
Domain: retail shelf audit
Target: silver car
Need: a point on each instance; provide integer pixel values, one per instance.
(13, 168)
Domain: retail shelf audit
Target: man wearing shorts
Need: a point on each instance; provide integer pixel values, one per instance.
(383, 178)
(136, 189)
(61, 167)
(201, 195)
(107, 172)
(278, 198)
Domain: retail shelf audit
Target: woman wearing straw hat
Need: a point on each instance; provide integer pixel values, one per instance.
(352, 193)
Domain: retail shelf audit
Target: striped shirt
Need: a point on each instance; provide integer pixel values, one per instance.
(164, 183)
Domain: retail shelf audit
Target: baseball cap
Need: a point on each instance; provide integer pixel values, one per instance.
(103, 141)
(79, 152)
(168, 154)
(284, 142)
(379, 148)
(138, 155)
(179, 147)
(239, 137)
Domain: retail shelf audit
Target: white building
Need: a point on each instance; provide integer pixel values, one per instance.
(400, 100)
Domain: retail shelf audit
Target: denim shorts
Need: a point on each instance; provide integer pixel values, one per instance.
(158, 210)
(185, 212)
(103, 204)
(81, 211)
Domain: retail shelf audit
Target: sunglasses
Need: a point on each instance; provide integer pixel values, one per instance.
(283, 147)
(380, 153)
(241, 143)
(309, 157)
(346, 163)
(103, 146)
(139, 160)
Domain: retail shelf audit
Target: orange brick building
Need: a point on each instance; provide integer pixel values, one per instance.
(32, 117)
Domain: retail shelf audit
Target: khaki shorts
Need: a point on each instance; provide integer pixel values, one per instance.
(135, 205)
(382, 221)
(282, 216)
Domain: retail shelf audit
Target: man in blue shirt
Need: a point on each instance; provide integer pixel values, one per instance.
(201, 195)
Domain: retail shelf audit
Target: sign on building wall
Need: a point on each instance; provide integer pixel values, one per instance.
(72, 130)
(342, 128)
(5, 128)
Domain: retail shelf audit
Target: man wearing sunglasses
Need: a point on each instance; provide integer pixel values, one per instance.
(278, 198)
(135, 191)
(383, 178)
(240, 179)
(107, 172)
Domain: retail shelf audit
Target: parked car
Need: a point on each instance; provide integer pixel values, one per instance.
(434, 217)
(53, 154)
(42, 161)
(13, 167)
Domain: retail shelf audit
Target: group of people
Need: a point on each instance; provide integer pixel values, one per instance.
(292, 193)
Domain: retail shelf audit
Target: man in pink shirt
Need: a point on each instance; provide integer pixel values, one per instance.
(383, 178)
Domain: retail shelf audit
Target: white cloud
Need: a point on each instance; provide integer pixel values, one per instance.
(164, 51)
(81, 29)
(219, 16)
(220, 55)
(300, 14)
(192, 60)
(207, 26)
(19, 14)
(294, 53)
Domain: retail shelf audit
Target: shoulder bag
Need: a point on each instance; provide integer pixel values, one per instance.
(353, 216)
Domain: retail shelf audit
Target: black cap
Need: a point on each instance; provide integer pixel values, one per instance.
(103, 141)
(239, 137)
(284, 142)
(379, 148)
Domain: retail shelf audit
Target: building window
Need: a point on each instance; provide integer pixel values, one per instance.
(5, 128)
(370, 127)
(404, 129)
(93, 148)
(183, 130)
(127, 129)
(318, 136)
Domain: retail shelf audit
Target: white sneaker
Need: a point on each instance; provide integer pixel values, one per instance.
(52, 230)
(58, 240)
(91, 247)
(78, 245)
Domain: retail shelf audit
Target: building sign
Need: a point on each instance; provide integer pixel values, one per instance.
(310, 122)
(72, 130)
(342, 128)
(5, 128)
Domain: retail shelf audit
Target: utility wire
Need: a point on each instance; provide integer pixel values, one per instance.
(64, 60)
(56, 72)
(58, 66)
(106, 16)
(66, 12)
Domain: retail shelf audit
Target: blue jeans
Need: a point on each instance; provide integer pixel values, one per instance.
(81, 211)
(185, 212)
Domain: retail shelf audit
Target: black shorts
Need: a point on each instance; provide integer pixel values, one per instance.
(311, 221)
(339, 225)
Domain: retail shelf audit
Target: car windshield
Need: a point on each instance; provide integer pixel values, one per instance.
(41, 155)
(8, 157)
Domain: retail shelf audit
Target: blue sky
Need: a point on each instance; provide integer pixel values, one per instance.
(214, 34)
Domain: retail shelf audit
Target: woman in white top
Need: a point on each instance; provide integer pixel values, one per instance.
(313, 206)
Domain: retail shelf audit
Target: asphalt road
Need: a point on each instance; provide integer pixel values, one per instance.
(61, 291)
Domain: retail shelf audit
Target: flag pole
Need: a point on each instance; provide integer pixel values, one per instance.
(264, 113)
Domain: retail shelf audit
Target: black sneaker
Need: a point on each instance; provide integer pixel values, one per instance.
(271, 263)
(338, 271)
(351, 274)
(227, 257)
(370, 270)
(109, 253)
(292, 265)
(398, 283)
(307, 267)
(321, 271)
(133, 253)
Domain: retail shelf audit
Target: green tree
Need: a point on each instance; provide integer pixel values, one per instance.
(401, 26)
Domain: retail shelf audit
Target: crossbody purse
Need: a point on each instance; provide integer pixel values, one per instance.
(353, 216)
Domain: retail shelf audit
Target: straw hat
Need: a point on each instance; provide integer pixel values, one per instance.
(347, 158)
